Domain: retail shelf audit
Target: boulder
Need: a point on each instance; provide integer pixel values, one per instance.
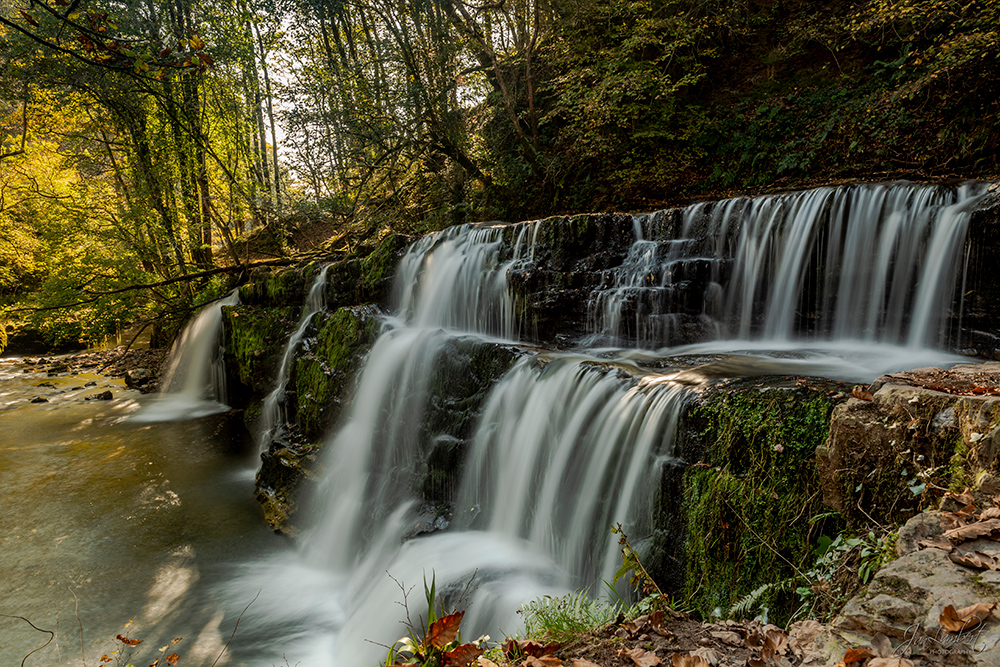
(905, 600)
(137, 378)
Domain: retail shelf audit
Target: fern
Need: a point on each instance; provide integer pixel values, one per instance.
(743, 607)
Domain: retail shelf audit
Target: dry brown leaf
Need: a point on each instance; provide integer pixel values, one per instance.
(858, 392)
(802, 639)
(444, 630)
(462, 656)
(973, 530)
(756, 661)
(580, 662)
(728, 637)
(951, 521)
(964, 498)
(688, 660)
(855, 656)
(643, 658)
(893, 661)
(966, 618)
(775, 642)
(709, 655)
(486, 662)
(936, 543)
(976, 559)
(990, 513)
(542, 661)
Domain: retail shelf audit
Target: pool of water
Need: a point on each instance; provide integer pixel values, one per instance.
(104, 520)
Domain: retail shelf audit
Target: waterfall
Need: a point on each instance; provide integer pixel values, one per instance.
(873, 263)
(272, 411)
(195, 382)
(570, 442)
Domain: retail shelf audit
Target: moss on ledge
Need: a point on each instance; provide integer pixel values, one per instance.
(254, 341)
(748, 502)
(322, 376)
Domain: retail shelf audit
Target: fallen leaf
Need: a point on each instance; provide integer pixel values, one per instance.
(444, 630)
(756, 661)
(950, 521)
(688, 660)
(514, 648)
(966, 618)
(775, 642)
(486, 662)
(643, 658)
(976, 559)
(974, 530)
(936, 543)
(579, 662)
(990, 513)
(964, 498)
(858, 392)
(709, 655)
(855, 656)
(728, 637)
(802, 639)
(463, 655)
(542, 661)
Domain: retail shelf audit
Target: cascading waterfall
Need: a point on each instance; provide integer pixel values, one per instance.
(272, 410)
(195, 382)
(569, 443)
(872, 263)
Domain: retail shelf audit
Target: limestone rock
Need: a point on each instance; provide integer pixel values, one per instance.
(905, 599)
(137, 378)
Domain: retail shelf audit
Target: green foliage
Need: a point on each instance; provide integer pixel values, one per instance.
(436, 642)
(748, 506)
(567, 618)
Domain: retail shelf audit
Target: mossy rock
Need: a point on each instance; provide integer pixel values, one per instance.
(367, 279)
(748, 492)
(255, 339)
(277, 288)
(460, 383)
(322, 377)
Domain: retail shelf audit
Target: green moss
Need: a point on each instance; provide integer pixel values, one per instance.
(322, 377)
(255, 340)
(379, 265)
(748, 503)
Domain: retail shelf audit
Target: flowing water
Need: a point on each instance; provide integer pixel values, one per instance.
(568, 442)
(137, 521)
(195, 382)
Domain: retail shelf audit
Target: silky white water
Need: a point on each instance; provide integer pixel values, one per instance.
(568, 442)
(195, 382)
(272, 413)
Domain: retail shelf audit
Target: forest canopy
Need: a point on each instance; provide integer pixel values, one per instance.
(171, 144)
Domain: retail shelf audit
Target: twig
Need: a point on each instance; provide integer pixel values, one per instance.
(234, 629)
(50, 632)
(76, 612)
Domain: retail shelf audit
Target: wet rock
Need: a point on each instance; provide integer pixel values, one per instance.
(103, 396)
(90, 384)
(137, 378)
(47, 385)
(39, 399)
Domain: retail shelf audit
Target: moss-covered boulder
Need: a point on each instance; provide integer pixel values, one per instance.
(734, 513)
(324, 371)
(254, 339)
